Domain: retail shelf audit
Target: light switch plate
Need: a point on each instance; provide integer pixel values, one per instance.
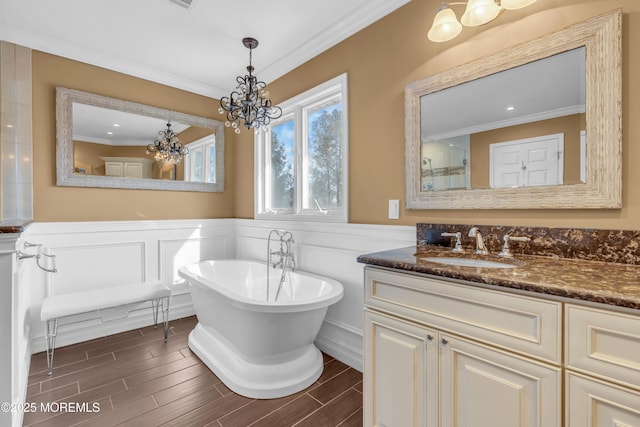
(394, 209)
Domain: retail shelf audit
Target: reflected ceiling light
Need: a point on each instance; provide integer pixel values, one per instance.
(249, 103)
(516, 4)
(478, 12)
(167, 147)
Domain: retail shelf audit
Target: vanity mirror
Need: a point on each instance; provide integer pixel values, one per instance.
(478, 138)
(102, 142)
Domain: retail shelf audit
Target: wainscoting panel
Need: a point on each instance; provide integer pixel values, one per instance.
(105, 254)
(98, 263)
(179, 252)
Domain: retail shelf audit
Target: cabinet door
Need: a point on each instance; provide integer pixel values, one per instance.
(400, 373)
(133, 170)
(592, 403)
(483, 387)
(113, 169)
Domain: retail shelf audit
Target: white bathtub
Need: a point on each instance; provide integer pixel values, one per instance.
(258, 349)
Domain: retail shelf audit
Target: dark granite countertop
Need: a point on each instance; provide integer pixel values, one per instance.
(13, 226)
(595, 281)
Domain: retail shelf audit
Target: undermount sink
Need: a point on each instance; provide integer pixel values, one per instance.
(469, 262)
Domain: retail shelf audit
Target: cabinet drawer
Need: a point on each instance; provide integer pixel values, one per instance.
(518, 323)
(604, 343)
(599, 404)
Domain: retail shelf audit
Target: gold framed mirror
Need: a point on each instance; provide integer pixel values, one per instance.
(598, 184)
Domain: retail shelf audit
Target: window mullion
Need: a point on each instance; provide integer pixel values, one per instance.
(298, 161)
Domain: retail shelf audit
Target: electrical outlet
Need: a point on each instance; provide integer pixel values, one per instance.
(394, 209)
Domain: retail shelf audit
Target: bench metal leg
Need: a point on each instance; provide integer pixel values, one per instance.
(165, 317)
(164, 302)
(156, 305)
(50, 336)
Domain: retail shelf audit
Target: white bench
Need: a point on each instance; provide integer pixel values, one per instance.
(69, 304)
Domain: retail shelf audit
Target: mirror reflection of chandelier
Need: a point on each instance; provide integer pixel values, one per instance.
(167, 147)
(249, 102)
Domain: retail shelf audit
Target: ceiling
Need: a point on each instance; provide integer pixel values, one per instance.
(547, 88)
(198, 49)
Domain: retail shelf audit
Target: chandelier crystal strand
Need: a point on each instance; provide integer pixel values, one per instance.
(167, 147)
(249, 103)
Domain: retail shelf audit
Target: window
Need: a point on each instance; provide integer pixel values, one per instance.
(301, 160)
(200, 164)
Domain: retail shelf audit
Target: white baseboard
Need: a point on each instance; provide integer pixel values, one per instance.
(341, 342)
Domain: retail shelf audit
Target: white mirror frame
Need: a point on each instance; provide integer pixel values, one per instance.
(602, 37)
(64, 145)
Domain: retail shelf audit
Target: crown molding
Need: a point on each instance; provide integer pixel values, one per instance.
(318, 43)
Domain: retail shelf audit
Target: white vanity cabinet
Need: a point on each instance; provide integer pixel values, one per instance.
(444, 354)
(407, 394)
(603, 367)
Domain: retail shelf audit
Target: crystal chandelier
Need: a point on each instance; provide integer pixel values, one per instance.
(249, 102)
(167, 147)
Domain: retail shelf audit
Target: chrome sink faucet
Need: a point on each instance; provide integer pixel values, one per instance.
(481, 249)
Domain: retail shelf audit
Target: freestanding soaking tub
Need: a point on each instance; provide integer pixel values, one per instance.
(259, 349)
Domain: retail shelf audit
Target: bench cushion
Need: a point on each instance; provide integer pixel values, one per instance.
(72, 303)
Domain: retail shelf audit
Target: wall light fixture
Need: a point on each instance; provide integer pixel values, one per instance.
(478, 12)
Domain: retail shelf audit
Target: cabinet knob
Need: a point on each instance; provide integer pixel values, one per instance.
(429, 338)
(444, 342)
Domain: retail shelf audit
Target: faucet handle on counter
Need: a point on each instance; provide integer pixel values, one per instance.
(506, 251)
(458, 247)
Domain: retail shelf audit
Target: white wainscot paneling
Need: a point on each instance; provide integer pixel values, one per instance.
(176, 253)
(105, 254)
(82, 268)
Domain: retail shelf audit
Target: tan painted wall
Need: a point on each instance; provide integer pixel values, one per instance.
(380, 60)
(52, 203)
(384, 57)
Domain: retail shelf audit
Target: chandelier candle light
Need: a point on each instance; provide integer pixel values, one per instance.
(478, 12)
(167, 147)
(249, 102)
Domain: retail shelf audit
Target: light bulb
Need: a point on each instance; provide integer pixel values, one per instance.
(445, 25)
(480, 12)
(516, 4)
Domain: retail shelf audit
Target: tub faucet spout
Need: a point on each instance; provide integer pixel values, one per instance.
(284, 256)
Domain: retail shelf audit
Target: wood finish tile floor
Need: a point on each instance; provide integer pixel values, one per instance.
(136, 379)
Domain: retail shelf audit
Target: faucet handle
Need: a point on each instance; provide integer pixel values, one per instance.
(458, 235)
(506, 251)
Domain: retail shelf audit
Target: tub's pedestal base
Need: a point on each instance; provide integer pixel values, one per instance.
(258, 381)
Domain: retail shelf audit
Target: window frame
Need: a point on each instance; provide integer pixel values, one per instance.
(295, 107)
(201, 144)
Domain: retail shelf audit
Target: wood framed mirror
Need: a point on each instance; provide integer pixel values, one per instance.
(102, 142)
(596, 154)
